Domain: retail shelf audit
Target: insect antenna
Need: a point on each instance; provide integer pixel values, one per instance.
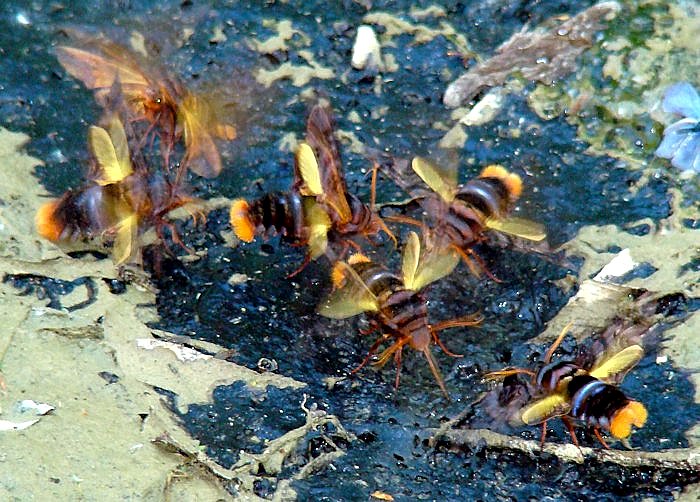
(407, 220)
(557, 342)
(497, 375)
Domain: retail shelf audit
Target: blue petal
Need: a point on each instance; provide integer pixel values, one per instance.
(674, 135)
(682, 99)
(687, 157)
(669, 145)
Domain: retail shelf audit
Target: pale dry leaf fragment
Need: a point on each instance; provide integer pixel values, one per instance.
(485, 110)
(218, 35)
(31, 405)
(7, 425)
(380, 495)
(543, 57)
(183, 353)
(619, 266)
(237, 278)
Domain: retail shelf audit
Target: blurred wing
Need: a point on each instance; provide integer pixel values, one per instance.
(618, 363)
(121, 145)
(319, 223)
(99, 72)
(444, 183)
(434, 265)
(518, 227)
(411, 255)
(307, 170)
(111, 151)
(197, 123)
(399, 171)
(320, 136)
(351, 298)
(545, 408)
(125, 240)
(421, 268)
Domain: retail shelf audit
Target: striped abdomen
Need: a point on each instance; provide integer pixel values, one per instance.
(275, 213)
(402, 312)
(490, 196)
(603, 405)
(81, 214)
(362, 219)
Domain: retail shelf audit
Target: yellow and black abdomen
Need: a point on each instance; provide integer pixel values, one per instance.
(489, 196)
(404, 312)
(275, 213)
(80, 214)
(603, 405)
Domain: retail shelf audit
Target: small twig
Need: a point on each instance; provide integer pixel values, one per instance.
(682, 459)
(168, 443)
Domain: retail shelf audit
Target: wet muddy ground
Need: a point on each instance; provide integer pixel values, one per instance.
(583, 145)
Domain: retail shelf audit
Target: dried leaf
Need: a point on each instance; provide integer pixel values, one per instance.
(537, 56)
(38, 408)
(6, 425)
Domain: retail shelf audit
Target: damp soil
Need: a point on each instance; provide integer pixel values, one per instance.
(268, 315)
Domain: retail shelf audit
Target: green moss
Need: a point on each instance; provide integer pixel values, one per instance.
(614, 97)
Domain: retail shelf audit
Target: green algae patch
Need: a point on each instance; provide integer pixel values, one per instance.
(614, 97)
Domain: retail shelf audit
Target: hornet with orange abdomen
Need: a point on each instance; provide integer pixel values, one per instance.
(318, 210)
(460, 215)
(568, 390)
(123, 198)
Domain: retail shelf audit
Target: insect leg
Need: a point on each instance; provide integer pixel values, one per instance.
(436, 371)
(175, 237)
(513, 371)
(467, 320)
(483, 266)
(397, 361)
(569, 425)
(373, 191)
(398, 218)
(373, 326)
(544, 434)
(372, 349)
(307, 260)
(470, 264)
(600, 438)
